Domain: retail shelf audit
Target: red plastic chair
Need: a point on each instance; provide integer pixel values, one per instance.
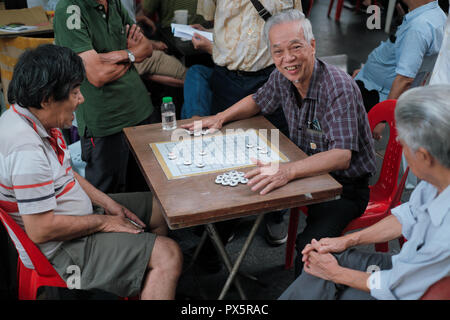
(384, 195)
(438, 291)
(30, 280)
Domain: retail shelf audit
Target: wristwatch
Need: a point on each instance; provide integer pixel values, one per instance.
(131, 56)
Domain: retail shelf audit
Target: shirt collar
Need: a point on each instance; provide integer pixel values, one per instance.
(94, 3)
(31, 119)
(418, 11)
(440, 207)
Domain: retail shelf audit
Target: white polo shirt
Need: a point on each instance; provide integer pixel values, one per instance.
(32, 179)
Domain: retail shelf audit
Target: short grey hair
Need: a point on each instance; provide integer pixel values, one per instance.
(289, 16)
(423, 120)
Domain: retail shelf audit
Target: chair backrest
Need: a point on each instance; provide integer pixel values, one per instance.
(386, 185)
(27, 250)
(438, 291)
(396, 199)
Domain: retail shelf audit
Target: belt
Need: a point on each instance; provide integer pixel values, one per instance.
(266, 71)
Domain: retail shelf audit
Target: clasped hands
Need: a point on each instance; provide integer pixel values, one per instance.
(318, 260)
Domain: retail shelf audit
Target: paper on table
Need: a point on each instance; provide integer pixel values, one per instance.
(187, 32)
(16, 28)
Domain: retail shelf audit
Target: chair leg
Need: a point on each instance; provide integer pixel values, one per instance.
(382, 247)
(340, 4)
(311, 2)
(292, 235)
(330, 7)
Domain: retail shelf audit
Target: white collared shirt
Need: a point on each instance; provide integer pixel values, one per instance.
(425, 257)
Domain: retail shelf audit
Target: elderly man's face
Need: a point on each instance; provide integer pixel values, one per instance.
(62, 111)
(292, 54)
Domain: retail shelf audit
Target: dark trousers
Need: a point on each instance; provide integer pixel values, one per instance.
(370, 97)
(110, 165)
(228, 87)
(329, 219)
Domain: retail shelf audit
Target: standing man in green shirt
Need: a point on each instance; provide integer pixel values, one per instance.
(108, 41)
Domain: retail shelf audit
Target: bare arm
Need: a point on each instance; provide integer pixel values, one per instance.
(242, 109)
(400, 85)
(104, 68)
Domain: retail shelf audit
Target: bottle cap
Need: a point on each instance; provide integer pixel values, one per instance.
(167, 99)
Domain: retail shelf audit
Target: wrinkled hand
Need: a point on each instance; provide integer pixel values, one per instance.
(115, 209)
(267, 177)
(321, 265)
(326, 245)
(134, 35)
(213, 123)
(159, 45)
(198, 27)
(201, 43)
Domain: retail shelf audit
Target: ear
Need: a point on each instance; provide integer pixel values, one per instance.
(424, 156)
(313, 45)
(46, 102)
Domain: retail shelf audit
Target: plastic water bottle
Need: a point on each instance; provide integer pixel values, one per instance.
(168, 116)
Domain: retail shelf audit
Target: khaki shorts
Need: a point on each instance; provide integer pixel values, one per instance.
(113, 262)
(160, 63)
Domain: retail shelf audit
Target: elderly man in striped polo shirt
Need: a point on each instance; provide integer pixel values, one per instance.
(72, 222)
(326, 118)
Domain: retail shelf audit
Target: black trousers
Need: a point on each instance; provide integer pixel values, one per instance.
(329, 219)
(228, 87)
(110, 164)
(370, 97)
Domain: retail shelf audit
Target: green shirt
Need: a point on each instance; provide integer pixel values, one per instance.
(118, 104)
(165, 9)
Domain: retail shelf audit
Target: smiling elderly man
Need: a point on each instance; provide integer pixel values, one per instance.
(326, 119)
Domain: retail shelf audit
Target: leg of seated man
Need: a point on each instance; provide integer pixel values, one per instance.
(308, 287)
(197, 93)
(160, 63)
(122, 263)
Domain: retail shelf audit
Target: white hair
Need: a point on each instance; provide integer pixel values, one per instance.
(422, 119)
(289, 16)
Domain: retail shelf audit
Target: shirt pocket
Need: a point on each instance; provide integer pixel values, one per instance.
(315, 141)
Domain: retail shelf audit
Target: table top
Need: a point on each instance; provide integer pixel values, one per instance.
(198, 200)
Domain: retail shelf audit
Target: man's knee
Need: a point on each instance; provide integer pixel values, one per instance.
(166, 255)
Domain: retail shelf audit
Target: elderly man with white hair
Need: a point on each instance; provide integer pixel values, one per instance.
(326, 118)
(335, 270)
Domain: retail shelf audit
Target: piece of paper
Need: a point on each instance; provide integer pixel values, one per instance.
(187, 32)
(15, 29)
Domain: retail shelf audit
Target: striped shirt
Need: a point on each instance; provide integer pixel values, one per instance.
(33, 177)
(331, 116)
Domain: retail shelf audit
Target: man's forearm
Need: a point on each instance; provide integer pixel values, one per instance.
(323, 162)
(400, 85)
(352, 278)
(385, 230)
(243, 109)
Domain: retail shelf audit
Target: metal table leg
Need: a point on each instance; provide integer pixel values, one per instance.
(233, 269)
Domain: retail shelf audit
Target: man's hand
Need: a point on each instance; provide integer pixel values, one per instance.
(270, 176)
(115, 209)
(201, 43)
(355, 73)
(134, 35)
(327, 245)
(322, 265)
(213, 123)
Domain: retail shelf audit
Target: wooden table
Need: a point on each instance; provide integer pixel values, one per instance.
(198, 200)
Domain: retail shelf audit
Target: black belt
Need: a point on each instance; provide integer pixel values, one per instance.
(266, 71)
